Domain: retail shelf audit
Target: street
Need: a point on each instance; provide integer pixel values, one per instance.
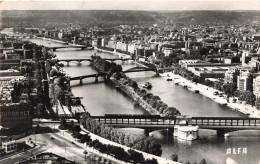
(49, 142)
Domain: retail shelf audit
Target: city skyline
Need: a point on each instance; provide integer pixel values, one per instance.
(152, 5)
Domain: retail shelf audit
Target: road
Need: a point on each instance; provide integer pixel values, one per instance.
(51, 142)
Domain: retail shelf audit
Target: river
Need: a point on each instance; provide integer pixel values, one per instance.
(102, 98)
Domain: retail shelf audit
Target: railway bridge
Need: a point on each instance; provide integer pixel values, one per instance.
(155, 122)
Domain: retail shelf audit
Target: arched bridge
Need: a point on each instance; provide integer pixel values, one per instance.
(156, 122)
(139, 69)
(96, 75)
(54, 48)
(88, 59)
(142, 69)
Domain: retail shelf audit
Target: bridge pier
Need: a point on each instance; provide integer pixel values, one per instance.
(82, 48)
(68, 62)
(54, 49)
(157, 73)
(222, 132)
(80, 80)
(96, 79)
(147, 132)
(170, 131)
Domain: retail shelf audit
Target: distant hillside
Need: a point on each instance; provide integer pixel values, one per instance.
(115, 17)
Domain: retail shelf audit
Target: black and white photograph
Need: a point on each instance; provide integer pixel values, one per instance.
(130, 82)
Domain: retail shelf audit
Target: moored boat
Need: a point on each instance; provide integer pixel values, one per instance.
(147, 85)
(196, 91)
(185, 132)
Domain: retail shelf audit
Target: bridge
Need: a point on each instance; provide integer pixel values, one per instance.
(80, 60)
(96, 75)
(142, 69)
(54, 48)
(155, 122)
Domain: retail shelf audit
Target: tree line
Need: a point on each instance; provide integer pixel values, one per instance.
(115, 151)
(153, 100)
(105, 66)
(142, 143)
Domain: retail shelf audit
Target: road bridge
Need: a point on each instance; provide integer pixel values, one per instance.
(54, 48)
(143, 69)
(96, 75)
(155, 122)
(89, 60)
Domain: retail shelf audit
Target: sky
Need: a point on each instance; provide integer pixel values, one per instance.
(171, 5)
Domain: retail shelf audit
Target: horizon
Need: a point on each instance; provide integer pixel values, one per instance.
(133, 5)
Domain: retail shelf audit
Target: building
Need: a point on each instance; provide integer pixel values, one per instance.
(8, 64)
(231, 75)
(122, 46)
(256, 87)
(10, 146)
(244, 81)
(167, 51)
(209, 72)
(9, 72)
(182, 62)
(15, 115)
(11, 55)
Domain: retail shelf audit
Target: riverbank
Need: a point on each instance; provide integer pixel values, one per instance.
(54, 40)
(209, 92)
(134, 96)
(160, 160)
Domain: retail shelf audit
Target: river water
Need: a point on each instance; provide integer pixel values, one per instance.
(102, 98)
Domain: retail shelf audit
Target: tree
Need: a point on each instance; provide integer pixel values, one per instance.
(85, 153)
(149, 145)
(171, 112)
(257, 103)
(40, 108)
(237, 93)
(218, 86)
(187, 162)
(85, 138)
(249, 97)
(54, 72)
(203, 161)
(150, 161)
(63, 123)
(135, 156)
(229, 89)
(174, 157)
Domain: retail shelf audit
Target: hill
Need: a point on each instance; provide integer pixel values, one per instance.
(116, 17)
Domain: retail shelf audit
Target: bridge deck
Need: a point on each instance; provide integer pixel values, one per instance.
(87, 76)
(169, 122)
(111, 59)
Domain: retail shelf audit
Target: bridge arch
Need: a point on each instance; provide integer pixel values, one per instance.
(139, 69)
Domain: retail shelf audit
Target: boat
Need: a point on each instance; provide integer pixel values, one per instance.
(169, 79)
(176, 82)
(226, 135)
(186, 132)
(147, 85)
(196, 91)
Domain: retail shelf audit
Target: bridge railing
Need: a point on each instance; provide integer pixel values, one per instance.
(201, 121)
(225, 121)
(139, 121)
